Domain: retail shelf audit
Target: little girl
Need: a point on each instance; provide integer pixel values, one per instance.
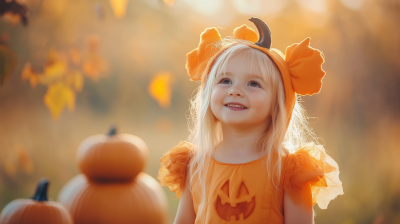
(251, 156)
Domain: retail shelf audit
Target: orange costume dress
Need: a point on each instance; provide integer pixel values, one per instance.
(245, 193)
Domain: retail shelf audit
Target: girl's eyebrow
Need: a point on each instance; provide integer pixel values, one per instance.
(255, 76)
(248, 75)
(224, 74)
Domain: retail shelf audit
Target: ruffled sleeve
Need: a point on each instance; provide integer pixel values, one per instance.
(173, 167)
(311, 165)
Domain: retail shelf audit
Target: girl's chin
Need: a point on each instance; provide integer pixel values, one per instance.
(241, 121)
(236, 122)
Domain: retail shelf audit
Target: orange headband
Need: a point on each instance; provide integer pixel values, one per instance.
(300, 69)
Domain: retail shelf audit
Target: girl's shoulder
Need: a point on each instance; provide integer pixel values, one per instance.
(311, 165)
(172, 172)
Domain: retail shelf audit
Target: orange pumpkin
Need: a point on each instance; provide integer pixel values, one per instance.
(139, 201)
(37, 210)
(112, 157)
(112, 189)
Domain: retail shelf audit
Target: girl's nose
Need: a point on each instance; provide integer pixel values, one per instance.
(235, 91)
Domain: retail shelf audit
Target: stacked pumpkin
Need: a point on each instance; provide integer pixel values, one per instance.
(112, 188)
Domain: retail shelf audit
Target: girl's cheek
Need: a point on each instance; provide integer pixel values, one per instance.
(262, 102)
(214, 101)
(217, 94)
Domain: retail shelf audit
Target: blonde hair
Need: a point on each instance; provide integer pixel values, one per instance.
(277, 141)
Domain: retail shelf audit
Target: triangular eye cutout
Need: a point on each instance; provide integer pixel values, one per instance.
(225, 188)
(243, 190)
(265, 34)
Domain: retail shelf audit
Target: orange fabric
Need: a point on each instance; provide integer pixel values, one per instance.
(301, 71)
(311, 165)
(245, 33)
(244, 193)
(198, 58)
(305, 67)
(173, 170)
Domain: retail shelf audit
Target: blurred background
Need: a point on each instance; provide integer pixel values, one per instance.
(73, 68)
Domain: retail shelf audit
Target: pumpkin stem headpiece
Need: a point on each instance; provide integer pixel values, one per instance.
(265, 33)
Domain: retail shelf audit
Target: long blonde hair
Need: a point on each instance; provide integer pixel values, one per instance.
(277, 141)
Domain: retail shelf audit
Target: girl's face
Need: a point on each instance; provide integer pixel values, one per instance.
(241, 97)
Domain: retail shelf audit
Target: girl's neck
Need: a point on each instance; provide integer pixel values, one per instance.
(240, 140)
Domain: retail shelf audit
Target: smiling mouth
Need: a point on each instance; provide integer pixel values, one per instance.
(235, 106)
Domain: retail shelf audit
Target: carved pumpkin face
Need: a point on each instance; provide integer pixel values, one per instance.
(238, 202)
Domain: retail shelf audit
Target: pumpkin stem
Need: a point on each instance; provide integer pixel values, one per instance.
(265, 33)
(41, 190)
(113, 131)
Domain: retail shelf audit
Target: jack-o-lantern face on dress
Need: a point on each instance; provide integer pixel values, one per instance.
(233, 205)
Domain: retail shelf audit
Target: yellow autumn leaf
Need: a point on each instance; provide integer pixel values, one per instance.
(94, 66)
(55, 67)
(76, 80)
(24, 160)
(29, 73)
(55, 70)
(75, 56)
(18, 157)
(119, 7)
(58, 96)
(10, 168)
(62, 81)
(160, 88)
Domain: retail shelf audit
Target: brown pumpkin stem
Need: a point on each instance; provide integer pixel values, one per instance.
(113, 131)
(41, 190)
(265, 33)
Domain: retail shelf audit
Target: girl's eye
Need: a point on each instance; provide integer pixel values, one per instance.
(225, 81)
(254, 84)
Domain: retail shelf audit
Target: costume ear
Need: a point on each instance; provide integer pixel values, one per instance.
(198, 58)
(305, 67)
(245, 33)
